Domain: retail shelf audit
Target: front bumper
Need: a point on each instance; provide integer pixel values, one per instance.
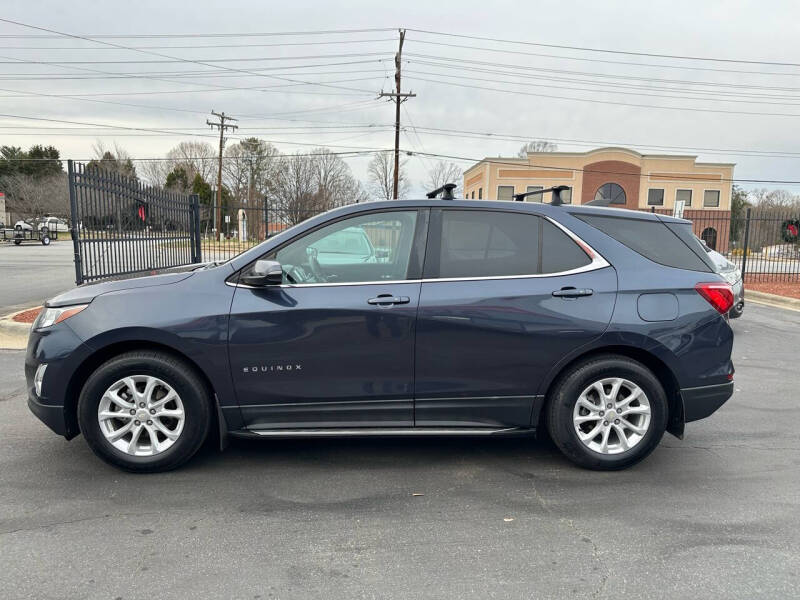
(52, 416)
(63, 352)
(701, 402)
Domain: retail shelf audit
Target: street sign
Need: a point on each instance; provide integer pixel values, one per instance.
(227, 218)
(678, 210)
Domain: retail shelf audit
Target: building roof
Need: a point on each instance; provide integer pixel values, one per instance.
(526, 161)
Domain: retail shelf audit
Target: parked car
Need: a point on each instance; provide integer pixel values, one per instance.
(23, 225)
(53, 224)
(350, 245)
(732, 275)
(606, 327)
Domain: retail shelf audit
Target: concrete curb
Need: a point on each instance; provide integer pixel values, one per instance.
(14, 335)
(772, 300)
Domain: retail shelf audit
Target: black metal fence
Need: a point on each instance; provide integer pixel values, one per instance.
(121, 226)
(763, 242)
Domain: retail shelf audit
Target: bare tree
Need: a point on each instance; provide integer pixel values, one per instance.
(250, 167)
(308, 184)
(112, 159)
(445, 172)
(764, 198)
(193, 156)
(381, 177)
(537, 146)
(335, 180)
(296, 190)
(31, 196)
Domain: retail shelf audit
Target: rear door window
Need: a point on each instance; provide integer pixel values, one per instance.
(650, 238)
(559, 252)
(478, 243)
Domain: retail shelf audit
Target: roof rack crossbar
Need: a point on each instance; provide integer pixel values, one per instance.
(446, 191)
(556, 201)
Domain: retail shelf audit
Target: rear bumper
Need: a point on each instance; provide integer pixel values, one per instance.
(700, 402)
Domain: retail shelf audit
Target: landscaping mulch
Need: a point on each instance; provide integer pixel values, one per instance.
(781, 288)
(28, 316)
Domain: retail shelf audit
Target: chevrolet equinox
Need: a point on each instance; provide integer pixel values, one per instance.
(605, 327)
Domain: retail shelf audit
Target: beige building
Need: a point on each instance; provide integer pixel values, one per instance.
(629, 179)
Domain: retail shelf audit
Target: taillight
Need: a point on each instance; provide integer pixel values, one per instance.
(718, 294)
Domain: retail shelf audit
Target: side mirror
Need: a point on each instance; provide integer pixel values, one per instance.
(263, 273)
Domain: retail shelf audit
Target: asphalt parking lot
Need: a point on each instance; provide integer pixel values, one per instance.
(32, 273)
(713, 516)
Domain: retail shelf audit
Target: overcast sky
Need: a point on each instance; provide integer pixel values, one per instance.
(548, 93)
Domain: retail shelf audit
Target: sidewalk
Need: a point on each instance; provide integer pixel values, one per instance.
(14, 328)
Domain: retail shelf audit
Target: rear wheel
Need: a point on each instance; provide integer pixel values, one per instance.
(144, 412)
(607, 413)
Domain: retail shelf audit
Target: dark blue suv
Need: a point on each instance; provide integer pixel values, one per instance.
(436, 317)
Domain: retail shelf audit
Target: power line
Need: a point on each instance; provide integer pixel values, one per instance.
(81, 98)
(597, 143)
(630, 90)
(280, 86)
(160, 55)
(202, 35)
(179, 74)
(609, 62)
(609, 102)
(206, 61)
(491, 67)
(204, 46)
(610, 51)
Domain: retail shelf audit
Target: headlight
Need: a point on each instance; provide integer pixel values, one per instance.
(732, 276)
(51, 316)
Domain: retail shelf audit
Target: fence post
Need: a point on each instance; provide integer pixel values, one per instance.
(197, 251)
(746, 243)
(75, 228)
(266, 217)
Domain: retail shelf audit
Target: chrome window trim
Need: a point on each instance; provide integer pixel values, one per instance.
(597, 262)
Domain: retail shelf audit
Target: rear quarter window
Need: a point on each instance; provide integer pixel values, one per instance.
(652, 239)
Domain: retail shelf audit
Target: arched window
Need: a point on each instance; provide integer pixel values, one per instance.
(611, 192)
(709, 236)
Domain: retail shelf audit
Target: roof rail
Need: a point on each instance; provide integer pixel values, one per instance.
(556, 201)
(446, 191)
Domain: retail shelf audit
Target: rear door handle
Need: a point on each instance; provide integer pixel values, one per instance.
(571, 292)
(388, 300)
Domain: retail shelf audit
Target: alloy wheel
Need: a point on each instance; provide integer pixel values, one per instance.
(141, 415)
(611, 416)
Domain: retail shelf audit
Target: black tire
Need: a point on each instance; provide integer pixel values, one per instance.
(45, 241)
(567, 390)
(173, 371)
(17, 241)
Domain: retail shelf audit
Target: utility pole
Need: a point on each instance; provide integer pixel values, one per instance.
(398, 98)
(222, 126)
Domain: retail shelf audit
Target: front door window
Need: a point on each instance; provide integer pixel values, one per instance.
(367, 248)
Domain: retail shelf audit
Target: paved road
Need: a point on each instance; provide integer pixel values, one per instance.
(714, 516)
(32, 273)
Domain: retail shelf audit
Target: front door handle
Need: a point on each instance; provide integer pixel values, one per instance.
(571, 292)
(388, 300)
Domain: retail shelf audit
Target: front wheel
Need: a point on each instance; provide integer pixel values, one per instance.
(607, 413)
(144, 412)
